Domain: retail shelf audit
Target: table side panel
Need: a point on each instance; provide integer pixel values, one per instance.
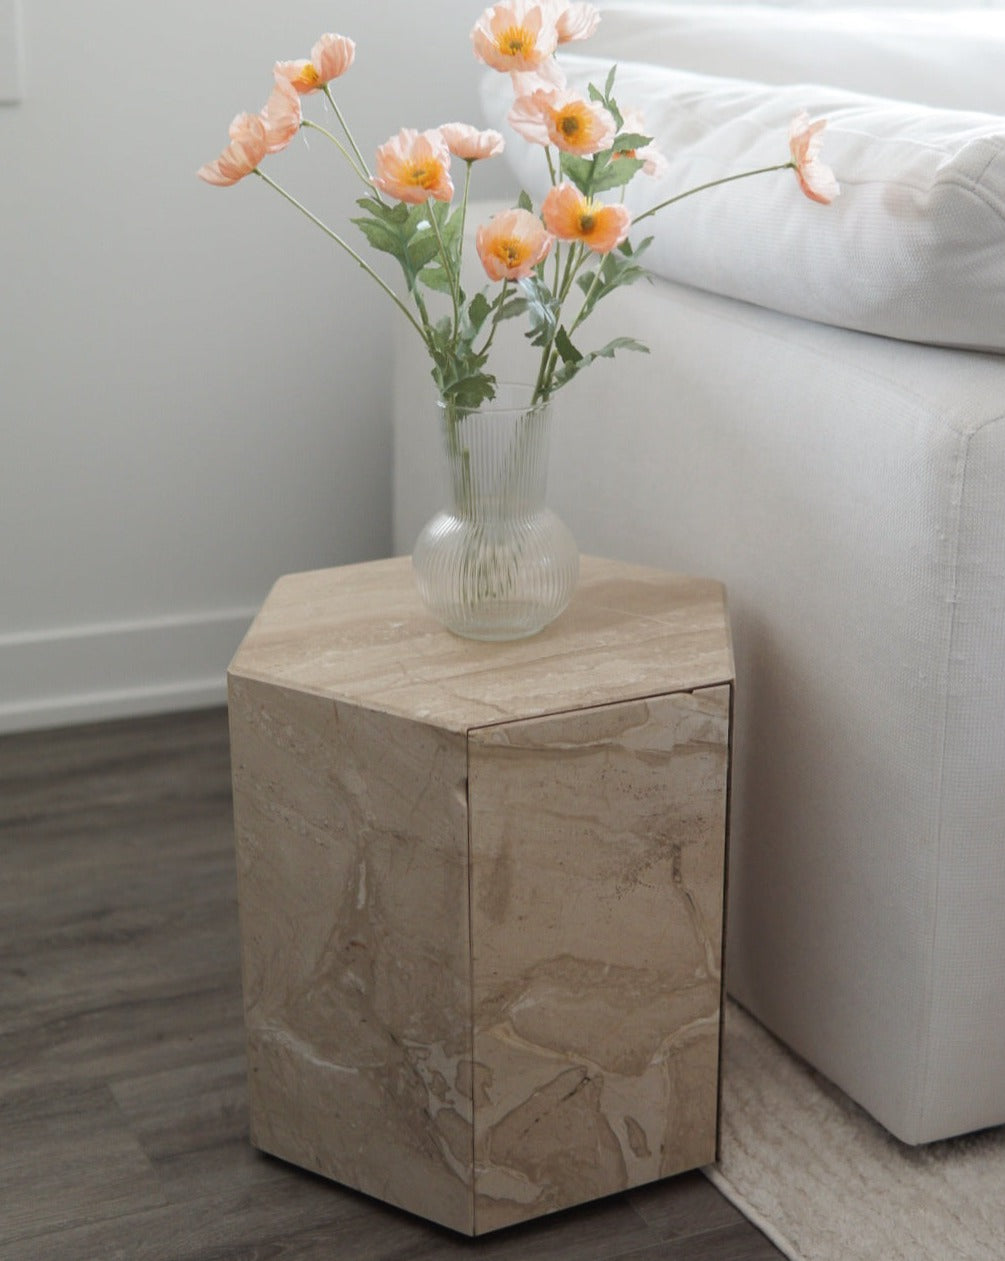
(597, 865)
(351, 835)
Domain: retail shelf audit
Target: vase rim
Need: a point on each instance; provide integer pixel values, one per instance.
(512, 398)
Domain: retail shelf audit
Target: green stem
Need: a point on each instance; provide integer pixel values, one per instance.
(341, 148)
(551, 165)
(345, 127)
(497, 312)
(584, 310)
(577, 253)
(726, 179)
(349, 250)
(575, 261)
(469, 163)
(448, 268)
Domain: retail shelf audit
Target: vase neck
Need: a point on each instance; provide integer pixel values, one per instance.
(497, 461)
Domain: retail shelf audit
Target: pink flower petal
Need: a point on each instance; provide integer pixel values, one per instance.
(515, 37)
(815, 179)
(246, 149)
(576, 21)
(512, 244)
(414, 166)
(332, 56)
(282, 115)
(467, 142)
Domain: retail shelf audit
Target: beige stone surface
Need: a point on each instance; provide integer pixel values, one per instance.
(481, 890)
(596, 928)
(360, 633)
(351, 834)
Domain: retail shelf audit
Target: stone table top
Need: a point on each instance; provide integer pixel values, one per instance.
(360, 633)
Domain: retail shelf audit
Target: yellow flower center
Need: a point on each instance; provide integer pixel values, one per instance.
(516, 41)
(569, 125)
(424, 174)
(587, 222)
(309, 76)
(510, 251)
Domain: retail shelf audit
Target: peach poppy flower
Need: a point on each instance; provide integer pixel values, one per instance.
(564, 119)
(282, 115)
(246, 149)
(512, 244)
(576, 21)
(516, 37)
(414, 166)
(330, 57)
(301, 74)
(578, 126)
(572, 217)
(467, 142)
(528, 112)
(815, 179)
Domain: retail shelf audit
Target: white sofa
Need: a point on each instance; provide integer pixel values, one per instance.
(814, 427)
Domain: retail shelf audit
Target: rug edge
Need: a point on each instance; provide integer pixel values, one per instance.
(722, 1184)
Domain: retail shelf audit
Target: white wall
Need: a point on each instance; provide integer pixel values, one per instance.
(194, 389)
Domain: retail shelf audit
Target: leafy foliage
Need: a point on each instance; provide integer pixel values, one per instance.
(427, 241)
(422, 227)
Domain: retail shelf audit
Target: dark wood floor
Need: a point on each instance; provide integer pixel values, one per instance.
(122, 1099)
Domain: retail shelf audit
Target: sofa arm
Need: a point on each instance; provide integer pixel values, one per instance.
(848, 490)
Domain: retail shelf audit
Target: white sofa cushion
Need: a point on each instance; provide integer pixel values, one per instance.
(848, 490)
(914, 247)
(950, 59)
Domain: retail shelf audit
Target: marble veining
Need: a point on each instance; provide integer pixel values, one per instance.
(596, 873)
(482, 958)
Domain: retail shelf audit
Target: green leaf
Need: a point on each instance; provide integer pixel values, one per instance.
(434, 277)
(524, 202)
(396, 214)
(579, 171)
(470, 391)
(381, 237)
(615, 173)
(512, 307)
(626, 247)
(630, 140)
(542, 310)
(606, 99)
(479, 310)
(564, 346)
(569, 370)
(422, 249)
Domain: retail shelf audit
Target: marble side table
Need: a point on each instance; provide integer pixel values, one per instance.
(481, 889)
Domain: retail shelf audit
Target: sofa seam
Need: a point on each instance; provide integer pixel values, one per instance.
(921, 1104)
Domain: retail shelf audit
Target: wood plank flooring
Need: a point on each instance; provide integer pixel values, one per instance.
(123, 1131)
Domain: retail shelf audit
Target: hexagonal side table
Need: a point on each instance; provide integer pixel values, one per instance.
(481, 889)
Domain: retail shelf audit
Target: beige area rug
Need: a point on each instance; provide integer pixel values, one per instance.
(826, 1183)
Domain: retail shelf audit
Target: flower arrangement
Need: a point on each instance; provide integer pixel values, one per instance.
(551, 266)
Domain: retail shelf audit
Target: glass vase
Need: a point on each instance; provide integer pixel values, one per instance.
(496, 563)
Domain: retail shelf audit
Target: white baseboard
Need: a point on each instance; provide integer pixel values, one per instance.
(52, 678)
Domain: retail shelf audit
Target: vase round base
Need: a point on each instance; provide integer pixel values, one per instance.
(496, 585)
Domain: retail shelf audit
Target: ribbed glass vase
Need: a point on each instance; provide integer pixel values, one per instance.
(496, 563)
